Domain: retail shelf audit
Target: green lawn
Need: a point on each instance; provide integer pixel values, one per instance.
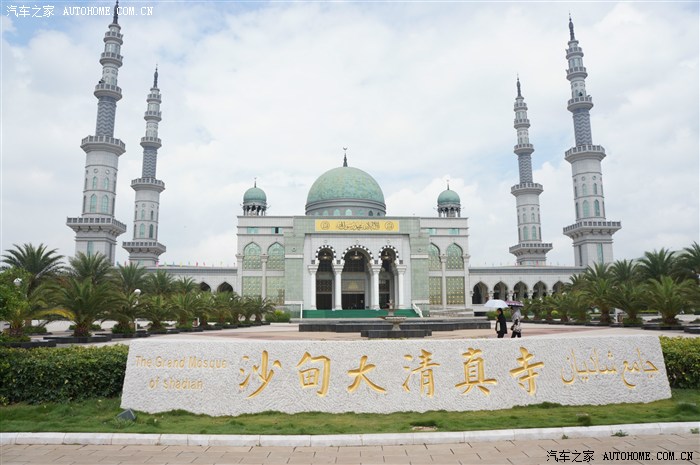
(100, 416)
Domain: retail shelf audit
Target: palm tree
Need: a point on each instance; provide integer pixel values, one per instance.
(95, 267)
(186, 284)
(157, 310)
(159, 283)
(131, 277)
(17, 306)
(40, 263)
(597, 271)
(669, 297)
(84, 302)
(185, 307)
(689, 262)
(223, 307)
(576, 306)
(629, 296)
(624, 271)
(598, 293)
(658, 263)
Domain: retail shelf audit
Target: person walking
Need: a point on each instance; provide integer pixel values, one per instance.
(516, 329)
(501, 324)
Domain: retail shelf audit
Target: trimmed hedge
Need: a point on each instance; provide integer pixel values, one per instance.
(61, 375)
(77, 373)
(682, 357)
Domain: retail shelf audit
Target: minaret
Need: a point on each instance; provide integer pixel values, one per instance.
(591, 233)
(145, 249)
(530, 249)
(96, 230)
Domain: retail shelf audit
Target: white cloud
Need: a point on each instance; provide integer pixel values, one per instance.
(419, 92)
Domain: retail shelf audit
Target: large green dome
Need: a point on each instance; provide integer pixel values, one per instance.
(345, 191)
(448, 197)
(254, 194)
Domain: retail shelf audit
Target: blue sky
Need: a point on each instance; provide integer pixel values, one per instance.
(419, 92)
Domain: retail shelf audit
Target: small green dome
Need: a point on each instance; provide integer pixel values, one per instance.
(254, 194)
(448, 197)
(346, 189)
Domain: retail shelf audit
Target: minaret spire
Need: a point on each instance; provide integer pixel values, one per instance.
(115, 18)
(345, 157)
(591, 233)
(145, 248)
(530, 249)
(96, 230)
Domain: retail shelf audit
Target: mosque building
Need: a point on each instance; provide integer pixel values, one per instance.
(346, 251)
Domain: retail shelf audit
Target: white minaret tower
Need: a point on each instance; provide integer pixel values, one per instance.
(96, 230)
(145, 248)
(530, 249)
(591, 233)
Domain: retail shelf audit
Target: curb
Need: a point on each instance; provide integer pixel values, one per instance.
(346, 439)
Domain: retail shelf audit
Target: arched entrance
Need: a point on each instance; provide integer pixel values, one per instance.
(324, 279)
(387, 279)
(355, 280)
(480, 293)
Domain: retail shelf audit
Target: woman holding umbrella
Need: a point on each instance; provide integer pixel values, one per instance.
(501, 324)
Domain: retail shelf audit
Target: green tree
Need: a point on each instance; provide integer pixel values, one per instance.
(17, 305)
(131, 277)
(40, 263)
(95, 267)
(185, 307)
(186, 284)
(156, 309)
(598, 293)
(657, 264)
(629, 296)
(669, 297)
(84, 302)
(689, 262)
(623, 271)
(576, 306)
(160, 283)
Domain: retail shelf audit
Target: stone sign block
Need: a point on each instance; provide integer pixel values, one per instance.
(218, 377)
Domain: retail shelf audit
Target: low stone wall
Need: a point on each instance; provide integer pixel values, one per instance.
(236, 377)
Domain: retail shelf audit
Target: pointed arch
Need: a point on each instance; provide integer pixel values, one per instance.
(204, 287)
(539, 290)
(150, 231)
(275, 260)
(455, 261)
(224, 287)
(480, 293)
(500, 291)
(520, 291)
(434, 258)
(596, 207)
(251, 257)
(586, 210)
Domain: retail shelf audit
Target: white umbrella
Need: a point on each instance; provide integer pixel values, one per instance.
(496, 303)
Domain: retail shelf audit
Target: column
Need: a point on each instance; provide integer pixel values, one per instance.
(443, 263)
(263, 259)
(337, 288)
(401, 302)
(312, 287)
(375, 286)
(239, 275)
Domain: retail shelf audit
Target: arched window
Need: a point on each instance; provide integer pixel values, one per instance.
(454, 257)
(577, 217)
(596, 208)
(86, 183)
(584, 190)
(90, 248)
(434, 258)
(371, 213)
(150, 231)
(348, 212)
(143, 214)
(526, 236)
(595, 188)
(151, 215)
(532, 217)
(524, 218)
(93, 203)
(251, 257)
(275, 260)
(105, 204)
(105, 184)
(94, 182)
(534, 232)
(575, 192)
(336, 212)
(142, 230)
(586, 211)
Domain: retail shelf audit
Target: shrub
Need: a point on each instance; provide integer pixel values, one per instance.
(682, 358)
(63, 374)
(278, 316)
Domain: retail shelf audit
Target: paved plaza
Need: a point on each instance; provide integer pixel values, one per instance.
(648, 443)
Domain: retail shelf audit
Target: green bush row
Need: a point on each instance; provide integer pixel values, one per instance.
(278, 316)
(61, 374)
(682, 358)
(77, 373)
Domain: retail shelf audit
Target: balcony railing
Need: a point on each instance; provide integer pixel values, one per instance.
(151, 140)
(517, 121)
(103, 140)
(584, 149)
(523, 146)
(576, 69)
(96, 221)
(114, 34)
(111, 56)
(152, 113)
(154, 181)
(153, 96)
(593, 224)
(526, 185)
